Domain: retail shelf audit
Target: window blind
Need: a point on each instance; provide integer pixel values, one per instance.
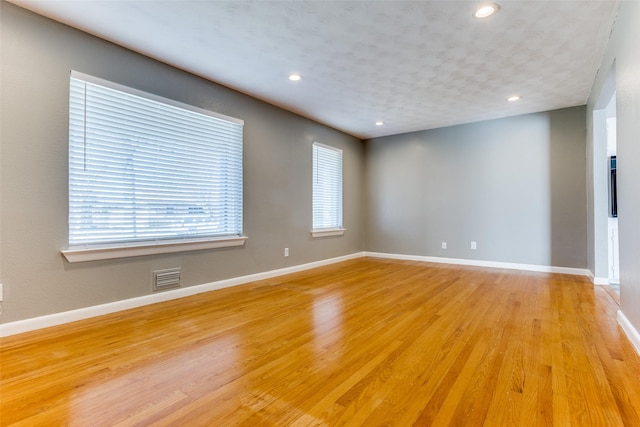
(143, 168)
(327, 187)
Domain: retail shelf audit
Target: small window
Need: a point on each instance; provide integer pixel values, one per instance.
(148, 170)
(327, 191)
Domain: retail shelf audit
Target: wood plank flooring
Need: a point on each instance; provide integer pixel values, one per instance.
(364, 342)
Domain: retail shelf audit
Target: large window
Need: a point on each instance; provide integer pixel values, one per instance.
(147, 171)
(327, 190)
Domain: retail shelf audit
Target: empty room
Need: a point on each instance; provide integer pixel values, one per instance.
(319, 213)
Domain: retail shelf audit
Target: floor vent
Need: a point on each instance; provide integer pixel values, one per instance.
(166, 279)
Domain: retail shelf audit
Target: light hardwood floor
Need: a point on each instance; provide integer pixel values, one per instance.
(364, 342)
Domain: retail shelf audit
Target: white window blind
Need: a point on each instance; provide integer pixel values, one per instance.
(327, 187)
(143, 168)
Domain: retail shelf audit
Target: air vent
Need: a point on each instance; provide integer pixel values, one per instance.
(166, 279)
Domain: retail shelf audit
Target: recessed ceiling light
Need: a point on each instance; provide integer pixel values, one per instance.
(379, 123)
(295, 77)
(514, 98)
(486, 10)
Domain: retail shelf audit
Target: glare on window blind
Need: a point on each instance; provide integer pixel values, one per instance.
(142, 169)
(327, 187)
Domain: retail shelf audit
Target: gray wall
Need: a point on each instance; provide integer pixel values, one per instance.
(623, 51)
(516, 186)
(36, 58)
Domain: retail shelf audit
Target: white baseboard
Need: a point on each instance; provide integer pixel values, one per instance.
(480, 263)
(55, 319)
(600, 281)
(629, 330)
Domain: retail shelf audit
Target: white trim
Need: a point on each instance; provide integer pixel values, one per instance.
(481, 263)
(631, 332)
(55, 319)
(146, 248)
(27, 325)
(600, 281)
(328, 232)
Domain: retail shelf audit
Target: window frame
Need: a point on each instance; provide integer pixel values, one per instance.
(337, 229)
(179, 243)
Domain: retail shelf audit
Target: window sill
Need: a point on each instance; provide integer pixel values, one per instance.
(328, 232)
(132, 250)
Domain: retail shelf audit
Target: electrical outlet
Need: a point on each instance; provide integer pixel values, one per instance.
(444, 245)
(474, 246)
(286, 251)
(1, 293)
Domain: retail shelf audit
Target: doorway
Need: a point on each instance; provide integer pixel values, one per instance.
(612, 185)
(604, 161)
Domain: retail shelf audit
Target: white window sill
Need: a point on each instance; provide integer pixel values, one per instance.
(95, 253)
(328, 232)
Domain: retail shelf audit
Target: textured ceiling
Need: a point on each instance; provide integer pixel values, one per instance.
(413, 64)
